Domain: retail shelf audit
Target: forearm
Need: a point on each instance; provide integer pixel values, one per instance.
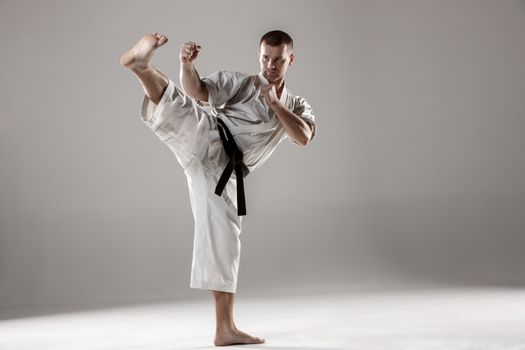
(191, 82)
(296, 128)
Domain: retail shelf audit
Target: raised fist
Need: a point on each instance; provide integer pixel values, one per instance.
(189, 52)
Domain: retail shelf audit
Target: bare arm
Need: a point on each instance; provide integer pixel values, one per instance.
(299, 131)
(189, 77)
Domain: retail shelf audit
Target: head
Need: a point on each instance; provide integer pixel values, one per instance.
(275, 55)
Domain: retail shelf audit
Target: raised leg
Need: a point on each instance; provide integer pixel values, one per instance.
(226, 332)
(138, 59)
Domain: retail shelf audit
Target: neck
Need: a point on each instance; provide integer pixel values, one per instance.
(279, 88)
(279, 83)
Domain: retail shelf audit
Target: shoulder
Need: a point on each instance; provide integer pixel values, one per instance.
(299, 103)
(230, 74)
(226, 77)
(300, 100)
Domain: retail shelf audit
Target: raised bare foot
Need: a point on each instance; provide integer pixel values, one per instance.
(139, 56)
(235, 336)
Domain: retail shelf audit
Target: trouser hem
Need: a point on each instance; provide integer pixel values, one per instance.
(213, 286)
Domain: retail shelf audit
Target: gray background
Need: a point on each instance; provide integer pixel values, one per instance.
(417, 172)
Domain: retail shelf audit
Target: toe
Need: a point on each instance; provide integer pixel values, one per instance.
(257, 340)
(162, 40)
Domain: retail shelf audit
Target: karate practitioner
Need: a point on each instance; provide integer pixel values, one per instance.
(220, 128)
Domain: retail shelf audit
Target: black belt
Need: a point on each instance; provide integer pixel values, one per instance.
(235, 163)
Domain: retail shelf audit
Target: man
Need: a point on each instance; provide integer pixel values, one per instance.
(220, 128)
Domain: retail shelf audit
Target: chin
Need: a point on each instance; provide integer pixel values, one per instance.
(272, 78)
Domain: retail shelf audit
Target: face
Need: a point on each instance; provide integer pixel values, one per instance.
(274, 61)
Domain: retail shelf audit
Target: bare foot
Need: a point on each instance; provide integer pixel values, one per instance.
(139, 56)
(235, 336)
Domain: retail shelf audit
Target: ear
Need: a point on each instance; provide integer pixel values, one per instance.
(292, 58)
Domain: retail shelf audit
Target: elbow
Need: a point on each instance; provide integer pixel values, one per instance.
(203, 92)
(199, 92)
(303, 141)
(305, 137)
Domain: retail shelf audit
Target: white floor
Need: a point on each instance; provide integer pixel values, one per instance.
(418, 319)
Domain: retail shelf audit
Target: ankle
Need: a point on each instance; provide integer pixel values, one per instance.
(226, 328)
(142, 69)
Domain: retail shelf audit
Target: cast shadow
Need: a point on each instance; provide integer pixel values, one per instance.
(272, 347)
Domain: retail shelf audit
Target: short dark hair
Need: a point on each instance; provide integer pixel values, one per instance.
(276, 38)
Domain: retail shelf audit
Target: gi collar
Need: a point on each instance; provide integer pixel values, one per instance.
(263, 80)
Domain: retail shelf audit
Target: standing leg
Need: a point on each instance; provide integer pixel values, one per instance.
(226, 332)
(138, 59)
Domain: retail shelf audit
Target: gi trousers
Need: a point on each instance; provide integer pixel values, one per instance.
(191, 133)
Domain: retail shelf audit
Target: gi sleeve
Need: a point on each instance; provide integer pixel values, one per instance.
(222, 86)
(151, 112)
(304, 110)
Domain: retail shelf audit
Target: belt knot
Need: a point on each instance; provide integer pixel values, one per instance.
(235, 163)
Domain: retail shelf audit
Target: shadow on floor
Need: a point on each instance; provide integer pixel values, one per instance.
(272, 347)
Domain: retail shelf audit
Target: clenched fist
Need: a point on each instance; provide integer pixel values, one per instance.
(189, 52)
(268, 92)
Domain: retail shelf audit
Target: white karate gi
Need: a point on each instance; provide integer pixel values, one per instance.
(190, 131)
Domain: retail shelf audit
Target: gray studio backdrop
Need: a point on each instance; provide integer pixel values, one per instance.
(417, 171)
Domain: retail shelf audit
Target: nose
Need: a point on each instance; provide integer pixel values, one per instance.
(271, 64)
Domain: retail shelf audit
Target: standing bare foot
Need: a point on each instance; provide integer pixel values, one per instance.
(139, 56)
(235, 336)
